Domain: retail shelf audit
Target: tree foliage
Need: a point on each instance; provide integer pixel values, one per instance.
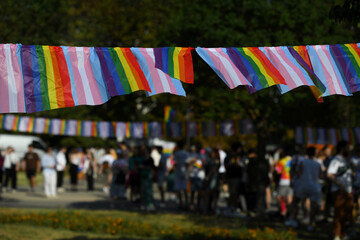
(210, 23)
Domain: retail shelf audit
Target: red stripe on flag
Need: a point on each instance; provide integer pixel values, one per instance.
(65, 77)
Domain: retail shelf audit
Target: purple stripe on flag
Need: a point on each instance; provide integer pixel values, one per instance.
(237, 60)
(28, 79)
(345, 68)
(311, 73)
(158, 58)
(109, 81)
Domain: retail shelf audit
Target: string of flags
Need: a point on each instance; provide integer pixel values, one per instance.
(323, 136)
(109, 129)
(39, 78)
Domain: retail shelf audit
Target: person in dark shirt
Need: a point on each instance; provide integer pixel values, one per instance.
(233, 174)
(31, 164)
(147, 176)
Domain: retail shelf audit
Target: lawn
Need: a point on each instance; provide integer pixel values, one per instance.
(87, 224)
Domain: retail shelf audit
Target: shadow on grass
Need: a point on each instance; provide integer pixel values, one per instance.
(322, 231)
(91, 238)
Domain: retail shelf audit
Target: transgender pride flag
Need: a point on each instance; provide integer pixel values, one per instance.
(11, 79)
(159, 81)
(326, 69)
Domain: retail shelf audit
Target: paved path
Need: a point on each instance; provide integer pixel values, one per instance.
(81, 199)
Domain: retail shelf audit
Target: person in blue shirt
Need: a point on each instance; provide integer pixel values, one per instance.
(48, 164)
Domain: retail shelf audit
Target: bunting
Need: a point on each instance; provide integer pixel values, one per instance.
(38, 78)
(322, 136)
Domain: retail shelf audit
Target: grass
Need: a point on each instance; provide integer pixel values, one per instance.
(23, 181)
(87, 224)
(14, 232)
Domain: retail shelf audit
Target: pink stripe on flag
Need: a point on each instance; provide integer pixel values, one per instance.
(298, 72)
(330, 83)
(77, 77)
(277, 59)
(220, 65)
(170, 82)
(150, 60)
(4, 88)
(91, 78)
(240, 76)
(299, 75)
(18, 79)
(326, 51)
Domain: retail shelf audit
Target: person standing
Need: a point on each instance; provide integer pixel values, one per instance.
(308, 186)
(11, 165)
(339, 173)
(31, 164)
(89, 167)
(48, 164)
(106, 162)
(60, 167)
(197, 176)
(119, 169)
(147, 176)
(161, 174)
(180, 158)
(75, 159)
(285, 192)
(233, 176)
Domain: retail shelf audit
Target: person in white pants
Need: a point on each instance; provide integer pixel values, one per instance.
(48, 164)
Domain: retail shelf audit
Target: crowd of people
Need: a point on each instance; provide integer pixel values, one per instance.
(313, 180)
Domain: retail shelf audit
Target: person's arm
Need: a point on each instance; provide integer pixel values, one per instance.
(38, 165)
(23, 164)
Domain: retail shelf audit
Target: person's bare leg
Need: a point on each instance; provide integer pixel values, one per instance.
(313, 210)
(32, 182)
(268, 198)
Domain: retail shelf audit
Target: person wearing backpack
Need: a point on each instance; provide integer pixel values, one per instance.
(340, 175)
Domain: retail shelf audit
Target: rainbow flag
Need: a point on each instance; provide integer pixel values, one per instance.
(175, 61)
(122, 73)
(46, 78)
(348, 60)
(325, 67)
(63, 127)
(58, 77)
(146, 129)
(79, 128)
(127, 129)
(219, 60)
(94, 130)
(256, 67)
(169, 114)
(12, 88)
(15, 126)
(47, 125)
(31, 125)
